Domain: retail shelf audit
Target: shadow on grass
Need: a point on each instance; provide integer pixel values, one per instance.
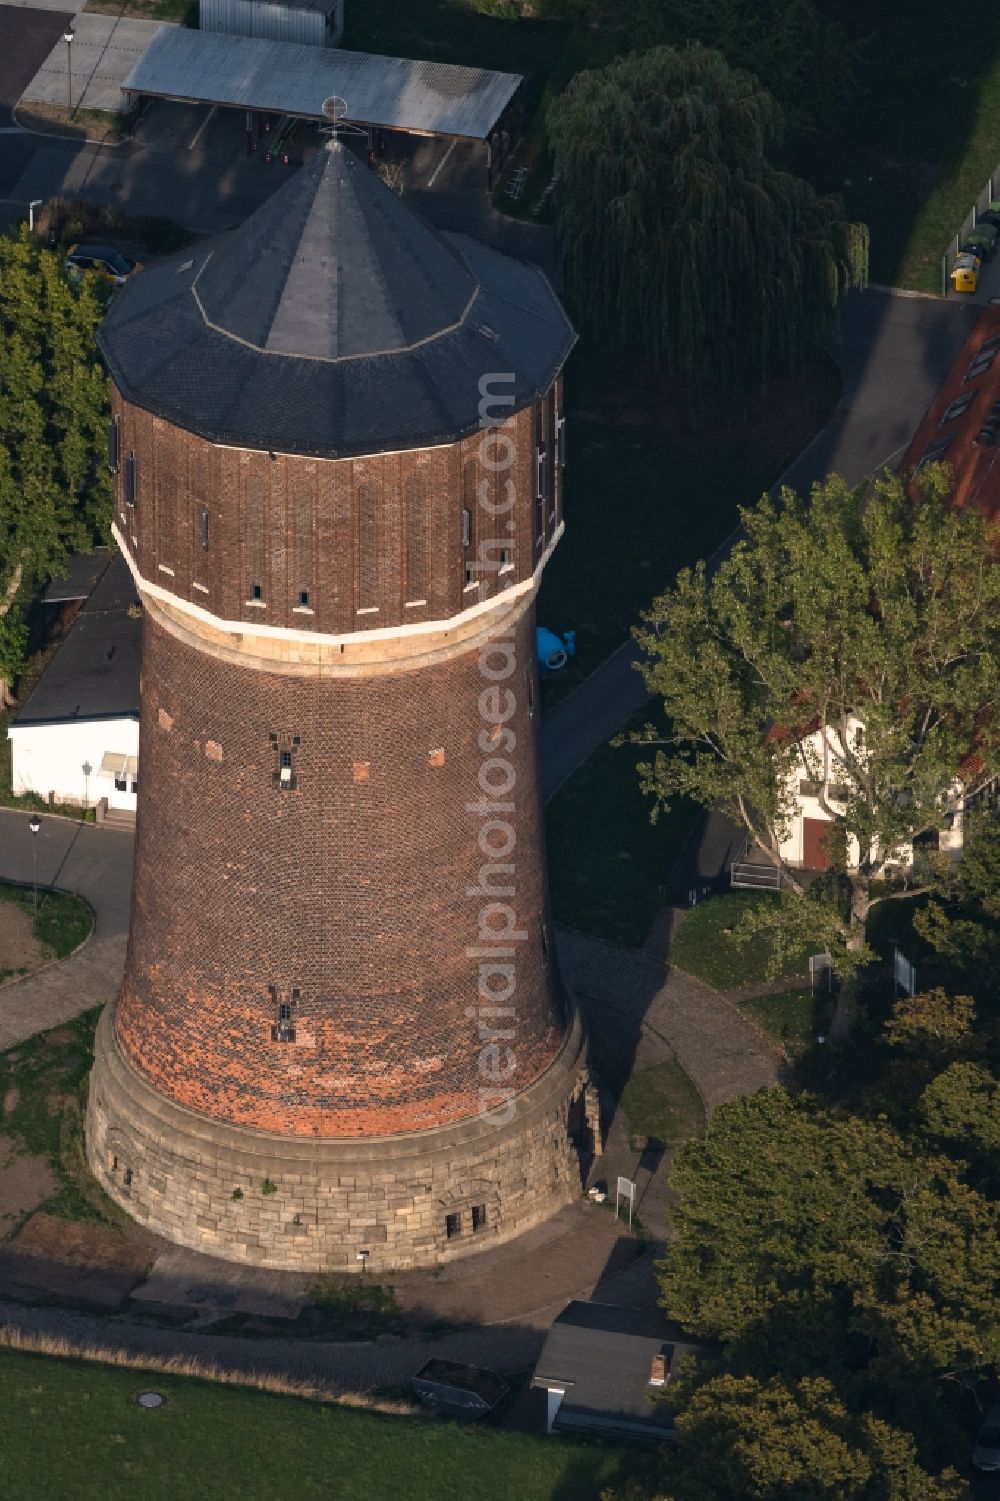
(916, 144)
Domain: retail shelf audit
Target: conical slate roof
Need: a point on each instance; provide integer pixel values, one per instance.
(333, 322)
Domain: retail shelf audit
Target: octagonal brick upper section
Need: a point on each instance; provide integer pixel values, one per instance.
(335, 322)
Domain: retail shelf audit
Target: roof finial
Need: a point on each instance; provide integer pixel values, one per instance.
(334, 110)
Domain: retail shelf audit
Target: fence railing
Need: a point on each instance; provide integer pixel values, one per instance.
(990, 191)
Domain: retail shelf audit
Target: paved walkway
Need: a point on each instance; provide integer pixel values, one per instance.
(96, 863)
(104, 51)
(714, 1044)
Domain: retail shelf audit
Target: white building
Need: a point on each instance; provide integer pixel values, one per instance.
(75, 739)
(819, 772)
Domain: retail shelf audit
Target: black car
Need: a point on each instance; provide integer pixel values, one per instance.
(111, 263)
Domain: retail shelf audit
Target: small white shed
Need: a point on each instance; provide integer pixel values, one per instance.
(75, 739)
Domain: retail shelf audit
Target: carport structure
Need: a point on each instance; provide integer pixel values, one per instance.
(292, 80)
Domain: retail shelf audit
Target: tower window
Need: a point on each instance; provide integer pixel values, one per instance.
(530, 684)
(303, 599)
(478, 1217)
(113, 445)
(204, 529)
(466, 527)
(541, 474)
(130, 480)
(283, 1029)
(452, 1225)
(284, 776)
(256, 592)
(470, 574)
(561, 441)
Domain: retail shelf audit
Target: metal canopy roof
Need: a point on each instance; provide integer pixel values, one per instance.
(202, 67)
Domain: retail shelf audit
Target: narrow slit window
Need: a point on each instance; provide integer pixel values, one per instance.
(113, 445)
(130, 480)
(303, 599)
(530, 685)
(561, 442)
(283, 1029)
(541, 474)
(204, 529)
(466, 527)
(284, 776)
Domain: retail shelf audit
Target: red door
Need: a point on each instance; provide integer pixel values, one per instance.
(814, 854)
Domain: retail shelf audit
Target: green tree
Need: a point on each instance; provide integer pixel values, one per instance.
(799, 55)
(851, 640)
(681, 238)
(963, 925)
(961, 1110)
(55, 494)
(823, 1243)
(747, 1440)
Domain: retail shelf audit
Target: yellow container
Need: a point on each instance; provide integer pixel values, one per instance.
(965, 278)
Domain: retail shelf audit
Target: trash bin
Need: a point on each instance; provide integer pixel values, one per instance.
(965, 276)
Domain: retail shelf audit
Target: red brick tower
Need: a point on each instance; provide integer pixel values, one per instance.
(338, 438)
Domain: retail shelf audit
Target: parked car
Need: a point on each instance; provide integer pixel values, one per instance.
(102, 258)
(986, 1449)
(991, 215)
(982, 241)
(965, 276)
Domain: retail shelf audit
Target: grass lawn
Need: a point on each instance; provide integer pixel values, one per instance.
(791, 1017)
(661, 1104)
(921, 138)
(218, 1443)
(704, 944)
(890, 924)
(183, 11)
(610, 869)
(42, 1085)
(62, 922)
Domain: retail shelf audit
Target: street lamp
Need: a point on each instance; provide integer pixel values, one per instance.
(68, 36)
(34, 824)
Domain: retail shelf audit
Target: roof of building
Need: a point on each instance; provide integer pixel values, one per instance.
(321, 5)
(967, 408)
(95, 672)
(335, 321)
(79, 578)
(602, 1356)
(292, 78)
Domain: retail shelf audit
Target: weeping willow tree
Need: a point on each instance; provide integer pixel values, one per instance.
(681, 238)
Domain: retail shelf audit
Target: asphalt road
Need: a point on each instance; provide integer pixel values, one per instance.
(26, 39)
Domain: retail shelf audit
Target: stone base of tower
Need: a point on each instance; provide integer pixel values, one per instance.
(290, 1203)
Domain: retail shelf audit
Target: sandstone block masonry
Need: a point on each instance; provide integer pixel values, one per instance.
(409, 1201)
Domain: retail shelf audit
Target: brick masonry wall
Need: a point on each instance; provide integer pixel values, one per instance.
(313, 1205)
(351, 896)
(371, 543)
